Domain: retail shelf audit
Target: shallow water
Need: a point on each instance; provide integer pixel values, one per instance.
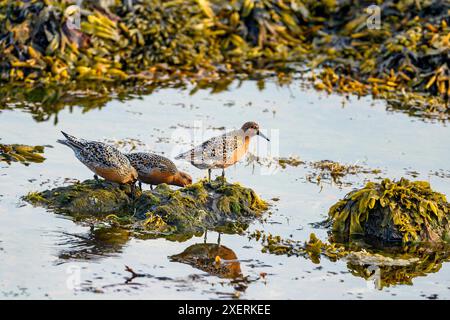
(43, 254)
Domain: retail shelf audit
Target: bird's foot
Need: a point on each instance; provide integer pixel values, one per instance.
(98, 182)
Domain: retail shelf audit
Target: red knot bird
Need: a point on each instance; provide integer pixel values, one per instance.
(102, 159)
(154, 169)
(222, 151)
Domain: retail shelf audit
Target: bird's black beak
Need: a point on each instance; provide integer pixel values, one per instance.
(259, 133)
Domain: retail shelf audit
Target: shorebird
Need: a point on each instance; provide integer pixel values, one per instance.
(102, 159)
(154, 169)
(222, 151)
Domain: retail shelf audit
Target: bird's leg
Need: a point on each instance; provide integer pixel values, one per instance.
(223, 176)
(97, 180)
(206, 236)
(133, 196)
(151, 187)
(218, 239)
(133, 190)
(209, 175)
(140, 185)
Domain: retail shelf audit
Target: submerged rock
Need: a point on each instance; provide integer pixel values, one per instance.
(176, 214)
(404, 211)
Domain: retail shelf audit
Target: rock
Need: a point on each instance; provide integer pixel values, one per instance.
(177, 214)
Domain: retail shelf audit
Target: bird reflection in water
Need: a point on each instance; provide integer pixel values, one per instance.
(97, 243)
(215, 259)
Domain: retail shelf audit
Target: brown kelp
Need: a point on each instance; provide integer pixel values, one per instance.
(401, 58)
(154, 41)
(393, 211)
(163, 212)
(21, 153)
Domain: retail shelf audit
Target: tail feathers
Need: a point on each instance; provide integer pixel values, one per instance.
(72, 141)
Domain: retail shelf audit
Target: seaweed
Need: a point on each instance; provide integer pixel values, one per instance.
(327, 170)
(403, 211)
(404, 60)
(388, 232)
(21, 153)
(386, 266)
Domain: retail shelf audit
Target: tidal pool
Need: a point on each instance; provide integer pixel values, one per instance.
(49, 256)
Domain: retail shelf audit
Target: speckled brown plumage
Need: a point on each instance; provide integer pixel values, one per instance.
(102, 159)
(222, 151)
(154, 169)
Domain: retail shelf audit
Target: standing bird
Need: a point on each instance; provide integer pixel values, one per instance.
(222, 151)
(154, 169)
(102, 159)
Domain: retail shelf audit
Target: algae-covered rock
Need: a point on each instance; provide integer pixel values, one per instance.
(402, 211)
(175, 214)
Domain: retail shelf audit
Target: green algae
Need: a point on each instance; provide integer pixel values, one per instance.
(163, 212)
(402, 211)
(21, 153)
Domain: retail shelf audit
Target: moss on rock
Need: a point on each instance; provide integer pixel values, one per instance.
(175, 214)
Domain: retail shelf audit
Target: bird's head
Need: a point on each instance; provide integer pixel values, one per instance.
(251, 129)
(182, 179)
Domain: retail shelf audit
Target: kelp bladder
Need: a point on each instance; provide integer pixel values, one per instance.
(403, 211)
(163, 212)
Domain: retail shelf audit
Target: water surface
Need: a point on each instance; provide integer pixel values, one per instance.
(42, 252)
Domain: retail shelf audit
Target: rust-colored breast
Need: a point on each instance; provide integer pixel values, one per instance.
(114, 175)
(157, 177)
(238, 153)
